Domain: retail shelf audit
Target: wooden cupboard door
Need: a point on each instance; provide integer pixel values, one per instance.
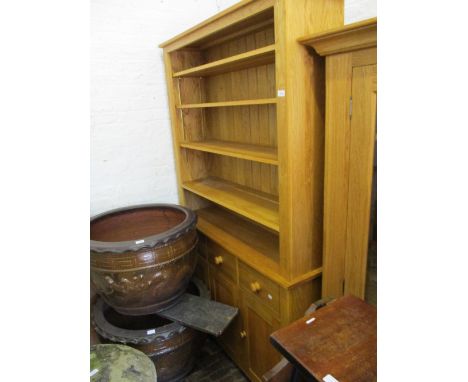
(361, 159)
(226, 292)
(259, 323)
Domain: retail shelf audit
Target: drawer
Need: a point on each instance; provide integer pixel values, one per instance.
(260, 286)
(222, 260)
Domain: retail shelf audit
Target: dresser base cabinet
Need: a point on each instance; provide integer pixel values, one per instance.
(264, 306)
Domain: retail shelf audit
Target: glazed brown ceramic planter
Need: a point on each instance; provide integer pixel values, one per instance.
(143, 257)
(171, 346)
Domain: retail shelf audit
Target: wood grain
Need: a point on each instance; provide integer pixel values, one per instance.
(257, 153)
(361, 161)
(351, 37)
(341, 341)
(229, 103)
(337, 135)
(251, 163)
(260, 207)
(255, 57)
(349, 154)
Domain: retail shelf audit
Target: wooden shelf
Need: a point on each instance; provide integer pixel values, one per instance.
(255, 205)
(263, 154)
(261, 56)
(256, 246)
(244, 238)
(249, 102)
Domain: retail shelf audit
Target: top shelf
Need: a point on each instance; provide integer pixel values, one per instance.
(261, 56)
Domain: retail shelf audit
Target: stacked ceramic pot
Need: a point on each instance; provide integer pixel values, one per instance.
(142, 261)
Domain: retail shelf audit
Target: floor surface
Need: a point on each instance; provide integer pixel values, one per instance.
(213, 364)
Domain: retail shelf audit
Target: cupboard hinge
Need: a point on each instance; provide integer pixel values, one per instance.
(350, 107)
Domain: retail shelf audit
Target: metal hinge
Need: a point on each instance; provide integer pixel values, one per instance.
(350, 107)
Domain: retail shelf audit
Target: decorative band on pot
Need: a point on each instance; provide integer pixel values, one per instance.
(171, 346)
(142, 257)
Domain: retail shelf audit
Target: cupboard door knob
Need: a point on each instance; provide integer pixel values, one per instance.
(243, 334)
(218, 260)
(255, 287)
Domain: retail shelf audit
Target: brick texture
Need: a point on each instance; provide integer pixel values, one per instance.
(131, 145)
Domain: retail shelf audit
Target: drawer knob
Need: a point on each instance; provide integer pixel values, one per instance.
(218, 260)
(255, 287)
(243, 334)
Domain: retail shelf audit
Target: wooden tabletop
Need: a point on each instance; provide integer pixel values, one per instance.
(339, 340)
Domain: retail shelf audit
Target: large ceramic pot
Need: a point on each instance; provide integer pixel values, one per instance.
(142, 257)
(171, 346)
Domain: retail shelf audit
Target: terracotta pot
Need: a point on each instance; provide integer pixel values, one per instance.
(142, 257)
(171, 346)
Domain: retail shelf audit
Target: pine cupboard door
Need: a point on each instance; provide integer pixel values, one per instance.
(361, 161)
(351, 105)
(226, 292)
(259, 323)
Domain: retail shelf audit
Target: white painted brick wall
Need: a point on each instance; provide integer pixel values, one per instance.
(357, 10)
(131, 144)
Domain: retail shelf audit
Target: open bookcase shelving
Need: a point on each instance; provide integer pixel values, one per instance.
(251, 163)
(240, 147)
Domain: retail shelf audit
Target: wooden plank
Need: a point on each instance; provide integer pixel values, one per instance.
(257, 206)
(250, 243)
(201, 314)
(341, 340)
(256, 153)
(241, 237)
(337, 135)
(261, 101)
(265, 55)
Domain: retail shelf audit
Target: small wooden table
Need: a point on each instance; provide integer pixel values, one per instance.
(335, 343)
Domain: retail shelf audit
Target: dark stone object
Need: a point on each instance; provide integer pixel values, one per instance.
(172, 347)
(119, 363)
(201, 314)
(142, 257)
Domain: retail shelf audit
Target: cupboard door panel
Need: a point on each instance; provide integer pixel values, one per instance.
(339, 84)
(259, 324)
(226, 292)
(361, 159)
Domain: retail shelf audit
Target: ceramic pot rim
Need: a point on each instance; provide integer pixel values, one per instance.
(139, 336)
(151, 241)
